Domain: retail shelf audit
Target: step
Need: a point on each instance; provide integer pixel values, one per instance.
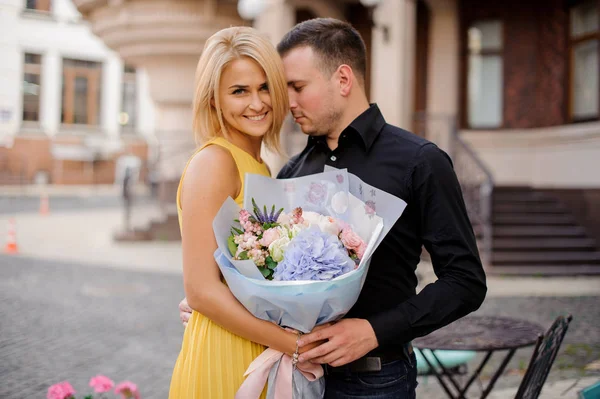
(546, 257)
(533, 220)
(540, 244)
(529, 208)
(513, 189)
(544, 270)
(539, 231)
(532, 197)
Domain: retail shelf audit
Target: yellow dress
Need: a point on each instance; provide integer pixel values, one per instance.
(212, 360)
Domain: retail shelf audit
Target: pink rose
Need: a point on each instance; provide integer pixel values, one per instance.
(128, 390)
(62, 390)
(101, 383)
(360, 251)
(269, 236)
(353, 242)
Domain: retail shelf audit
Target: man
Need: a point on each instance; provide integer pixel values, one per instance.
(368, 352)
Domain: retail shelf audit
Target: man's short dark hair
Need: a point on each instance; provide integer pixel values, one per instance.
(334, 42)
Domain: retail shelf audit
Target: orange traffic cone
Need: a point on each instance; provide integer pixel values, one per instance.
(11, 238)
(44, 205)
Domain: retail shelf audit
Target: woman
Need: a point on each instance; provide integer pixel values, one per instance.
(240, 101)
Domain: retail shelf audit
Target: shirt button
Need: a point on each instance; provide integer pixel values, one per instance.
(333, 158)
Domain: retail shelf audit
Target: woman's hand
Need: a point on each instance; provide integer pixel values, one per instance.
(185, 312)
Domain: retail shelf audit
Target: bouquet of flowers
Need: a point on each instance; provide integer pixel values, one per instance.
(298, 245)
(302, 261)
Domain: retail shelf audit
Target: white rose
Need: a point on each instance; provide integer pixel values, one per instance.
(329, 225)
(311, 218)
(278, 247)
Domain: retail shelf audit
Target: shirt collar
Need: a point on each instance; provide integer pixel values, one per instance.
(367, 125)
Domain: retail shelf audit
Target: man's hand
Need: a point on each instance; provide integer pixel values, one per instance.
(348, 340)
(185, 312)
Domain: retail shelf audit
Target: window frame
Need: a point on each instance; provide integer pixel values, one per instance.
(572, 43)
(30, 68)
(130, 74)
(94, 102)
(45, 10)
(465, 72)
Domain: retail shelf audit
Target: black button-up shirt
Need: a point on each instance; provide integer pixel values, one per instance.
(417, 171)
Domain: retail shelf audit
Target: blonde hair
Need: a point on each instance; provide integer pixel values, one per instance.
(220, 49)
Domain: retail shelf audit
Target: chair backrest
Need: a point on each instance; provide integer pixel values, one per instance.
(543, 357)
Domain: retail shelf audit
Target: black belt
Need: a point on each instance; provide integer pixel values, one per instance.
(372, 362)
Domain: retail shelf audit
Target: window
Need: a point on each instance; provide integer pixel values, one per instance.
(128, 115)
(38, 5)
(484, 76)
(81, 92)
(585, 35)
(32, 71)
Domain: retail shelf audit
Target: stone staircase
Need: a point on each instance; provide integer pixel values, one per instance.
(534, 233)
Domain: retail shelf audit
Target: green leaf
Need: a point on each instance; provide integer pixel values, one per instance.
(243, 255)
(89, 397)
(231, 245)
(270, 263)
(266, 272)
(237, 230)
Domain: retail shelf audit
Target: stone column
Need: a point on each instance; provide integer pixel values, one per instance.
(443, 65)
(112, 78)
(276, 20)
(393, 59)
(165, 38)
(51, 101)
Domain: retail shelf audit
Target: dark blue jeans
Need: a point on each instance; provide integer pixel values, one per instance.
(396, 380)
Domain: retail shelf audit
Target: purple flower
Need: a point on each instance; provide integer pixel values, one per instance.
(313, 255)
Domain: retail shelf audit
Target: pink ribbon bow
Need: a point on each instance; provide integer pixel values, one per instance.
(258, 374)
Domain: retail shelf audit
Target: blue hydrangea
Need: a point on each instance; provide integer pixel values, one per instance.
(314, 255)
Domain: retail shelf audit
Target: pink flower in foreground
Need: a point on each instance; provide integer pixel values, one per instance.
(101, 383)
(62, 390)
(128, 390)
(360, 251)
(269, 236)
(353, 242)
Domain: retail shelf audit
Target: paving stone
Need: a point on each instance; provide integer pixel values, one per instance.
(65, 321)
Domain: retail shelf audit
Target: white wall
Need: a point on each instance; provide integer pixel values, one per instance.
(562, 156)
(63, 34)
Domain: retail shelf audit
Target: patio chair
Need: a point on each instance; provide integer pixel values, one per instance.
(543, 357)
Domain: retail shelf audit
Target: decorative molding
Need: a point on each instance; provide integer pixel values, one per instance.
(536, 137)
(156, 28)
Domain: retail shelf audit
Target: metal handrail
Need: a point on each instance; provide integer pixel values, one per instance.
(476, 179)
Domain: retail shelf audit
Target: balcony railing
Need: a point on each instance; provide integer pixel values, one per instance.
(476, 180)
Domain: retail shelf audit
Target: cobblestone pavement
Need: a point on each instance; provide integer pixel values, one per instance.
(65, 321)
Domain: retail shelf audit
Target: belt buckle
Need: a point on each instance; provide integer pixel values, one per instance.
(368, 364)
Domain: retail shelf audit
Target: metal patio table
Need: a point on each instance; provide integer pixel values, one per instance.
(481, 334)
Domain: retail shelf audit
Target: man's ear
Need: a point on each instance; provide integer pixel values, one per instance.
(345, 79)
